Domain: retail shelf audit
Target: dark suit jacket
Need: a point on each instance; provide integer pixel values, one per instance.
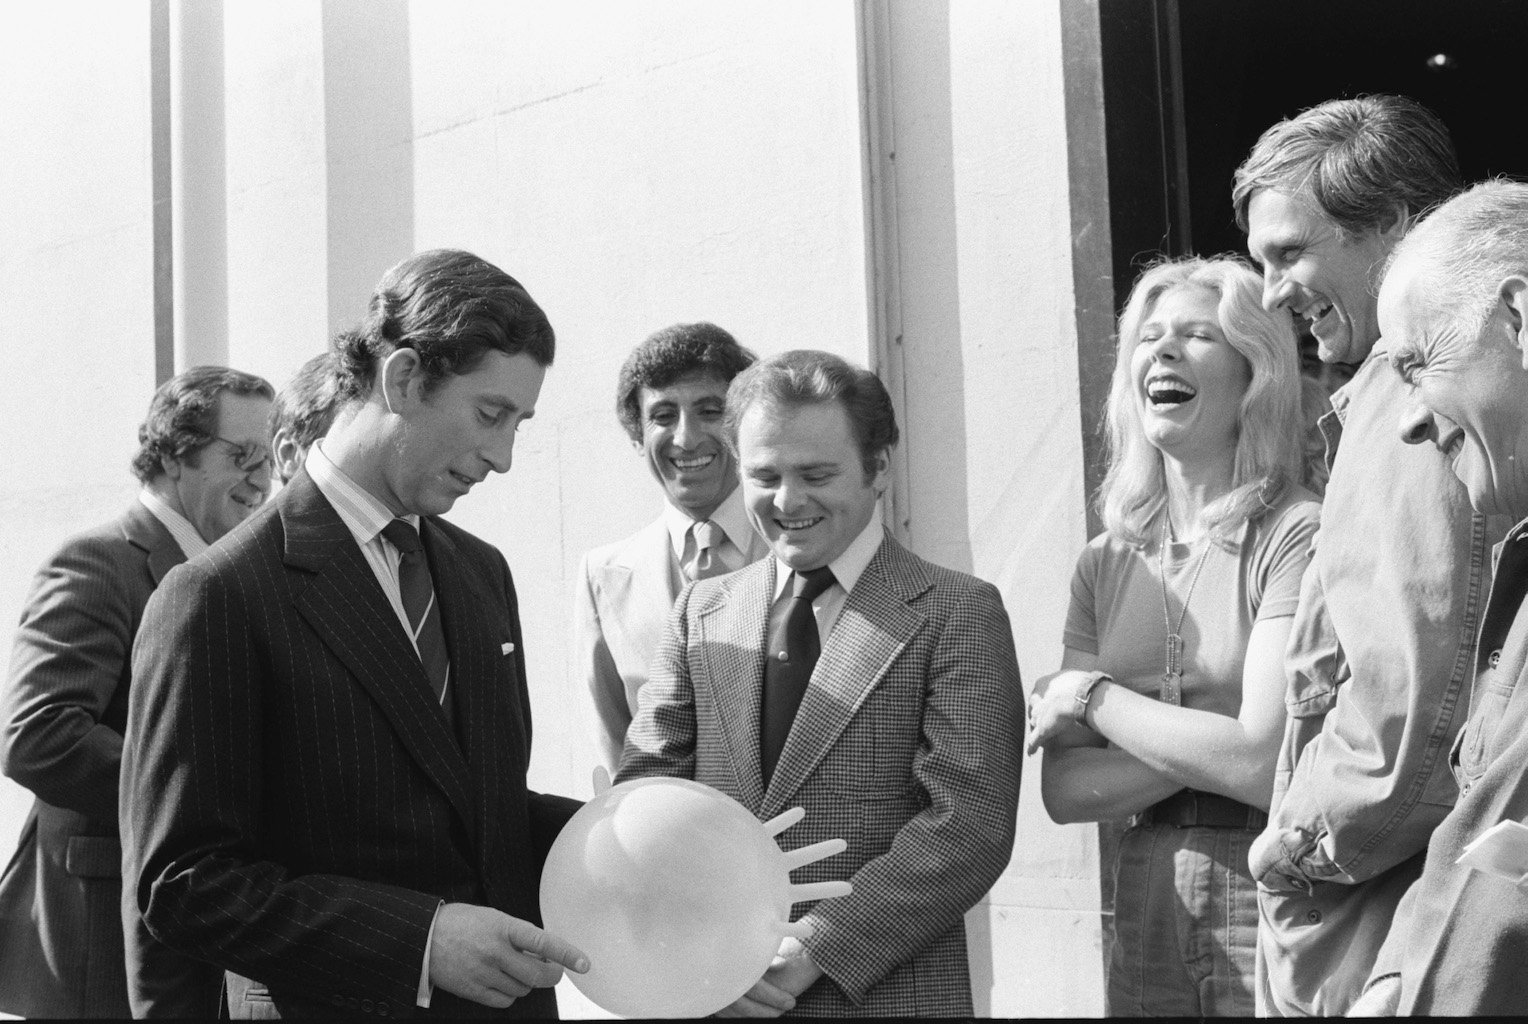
(61, 934)
(295, 804)
(906, 745)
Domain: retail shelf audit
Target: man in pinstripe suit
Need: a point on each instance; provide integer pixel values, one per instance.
(324, 782)
(902, 737)
(204, 468)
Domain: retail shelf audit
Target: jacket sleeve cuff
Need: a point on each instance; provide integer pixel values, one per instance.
(426, 989)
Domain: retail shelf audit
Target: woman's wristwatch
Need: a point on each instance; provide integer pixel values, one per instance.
(1085, 693)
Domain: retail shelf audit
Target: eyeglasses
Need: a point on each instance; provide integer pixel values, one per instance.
(248, 458)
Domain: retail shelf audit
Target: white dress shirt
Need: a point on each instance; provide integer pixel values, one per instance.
(185, 535)
(847, 569)
(733, 520)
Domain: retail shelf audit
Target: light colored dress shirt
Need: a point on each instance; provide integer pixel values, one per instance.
(729, 515)
(191, 542)
(365, 516)
(847, 569)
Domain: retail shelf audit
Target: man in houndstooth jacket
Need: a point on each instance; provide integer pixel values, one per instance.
(905, 742)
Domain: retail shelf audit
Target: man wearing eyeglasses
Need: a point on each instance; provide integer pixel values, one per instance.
(205, 467)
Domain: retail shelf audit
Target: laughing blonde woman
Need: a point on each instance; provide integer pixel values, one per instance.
(1169, 706)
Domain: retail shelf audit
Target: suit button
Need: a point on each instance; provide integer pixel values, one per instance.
(1494, 658)
(1313, 916)
(367, 1005)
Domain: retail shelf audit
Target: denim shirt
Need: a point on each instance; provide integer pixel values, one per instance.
(1460, 937)
(1378, 660)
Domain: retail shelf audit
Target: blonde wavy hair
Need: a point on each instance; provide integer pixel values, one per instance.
(1268, 442)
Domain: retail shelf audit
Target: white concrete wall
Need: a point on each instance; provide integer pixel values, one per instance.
(634, 166)
(993, 441)
(76, 285)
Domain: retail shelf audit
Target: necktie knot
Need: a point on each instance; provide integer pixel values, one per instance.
(707, 535)
(402, 535)
(812, 582)
(706, 560)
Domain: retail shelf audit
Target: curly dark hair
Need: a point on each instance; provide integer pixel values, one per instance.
(452, 308)
(807, 377)
(183, 416)
(670, 354)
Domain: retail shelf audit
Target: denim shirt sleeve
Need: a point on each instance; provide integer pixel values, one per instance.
(1379, 655)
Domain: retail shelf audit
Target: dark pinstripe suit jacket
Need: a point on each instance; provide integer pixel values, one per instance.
(61, 948)
(295, 804)
(906, 745)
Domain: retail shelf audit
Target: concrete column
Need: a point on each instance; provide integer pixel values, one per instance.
(199, 195)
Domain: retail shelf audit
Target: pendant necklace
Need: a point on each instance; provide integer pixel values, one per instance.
(1171, 690)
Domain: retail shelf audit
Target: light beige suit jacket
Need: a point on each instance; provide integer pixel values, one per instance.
(622, 600)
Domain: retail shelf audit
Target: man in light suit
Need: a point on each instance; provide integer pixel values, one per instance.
(324, 785)
(670, 397)
(204, 468)
(886, 702)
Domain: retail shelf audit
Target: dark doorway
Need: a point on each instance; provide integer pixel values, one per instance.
(1190, 84)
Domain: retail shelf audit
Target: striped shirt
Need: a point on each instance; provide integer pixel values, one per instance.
(365, 516)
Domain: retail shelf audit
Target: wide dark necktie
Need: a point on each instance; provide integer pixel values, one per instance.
(420, 604)
(788, 663)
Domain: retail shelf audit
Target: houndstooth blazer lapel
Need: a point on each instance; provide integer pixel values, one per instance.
(731, 640)
(875, 625)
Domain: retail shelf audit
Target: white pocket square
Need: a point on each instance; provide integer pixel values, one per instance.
(506, 647)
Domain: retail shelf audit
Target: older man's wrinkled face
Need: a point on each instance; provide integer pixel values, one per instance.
(1469, 385)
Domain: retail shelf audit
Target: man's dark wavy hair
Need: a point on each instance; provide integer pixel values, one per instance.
(183, 416)
(452, 308)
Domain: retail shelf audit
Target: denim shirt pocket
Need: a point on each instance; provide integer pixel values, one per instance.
(1476, 742)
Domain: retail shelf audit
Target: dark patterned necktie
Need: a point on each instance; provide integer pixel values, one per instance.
(788, 663)
(419, 602)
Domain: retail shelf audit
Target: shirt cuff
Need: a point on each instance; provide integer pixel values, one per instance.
(426, 990)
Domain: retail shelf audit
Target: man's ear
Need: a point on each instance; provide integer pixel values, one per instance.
(882, 478)
(402, 379)
(1392, 227)
(171, 467)
(1514, 299)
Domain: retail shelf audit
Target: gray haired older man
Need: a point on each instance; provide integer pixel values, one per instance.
(1454, 307)
(1379, 652)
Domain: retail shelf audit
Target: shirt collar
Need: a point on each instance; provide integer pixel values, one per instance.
(729, 515)
(185, 535)
(360, 511)
(847, 567)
